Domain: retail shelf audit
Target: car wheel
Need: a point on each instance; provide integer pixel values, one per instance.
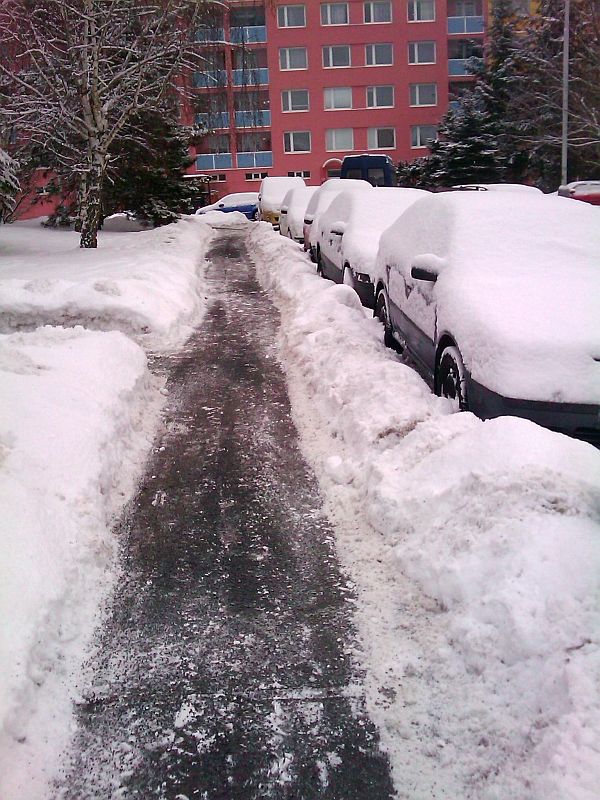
(319, 263)
(348, 277)
(450, 378)
(381, 312)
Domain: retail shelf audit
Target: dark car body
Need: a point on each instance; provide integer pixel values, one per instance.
(244, 202)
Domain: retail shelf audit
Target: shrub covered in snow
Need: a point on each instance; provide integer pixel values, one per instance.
(9, 183)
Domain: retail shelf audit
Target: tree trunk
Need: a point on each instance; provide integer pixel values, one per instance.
(90, 208)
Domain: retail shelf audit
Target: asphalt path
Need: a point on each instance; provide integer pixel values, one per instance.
(224, 671)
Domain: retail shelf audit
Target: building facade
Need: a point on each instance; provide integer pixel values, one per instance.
(291, 88)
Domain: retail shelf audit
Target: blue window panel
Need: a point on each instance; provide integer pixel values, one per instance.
(260, 159)
(264, 159)
(210, 121)
(210, 35)
(207, 79)
(250, 77)
(214, 161)
(252, 119)
(457, 66)
(250, 34)
(474, 25)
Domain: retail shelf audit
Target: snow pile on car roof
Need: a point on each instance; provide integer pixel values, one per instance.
(523, 269)
(480, 603)
(274, 189)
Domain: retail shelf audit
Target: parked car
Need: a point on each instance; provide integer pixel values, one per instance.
(497, 187)
(376, 168)
(348, 234)
(291, 218)
(587, 191)
(270, 197)
(320, 201)
(244, 202)
(498, 304)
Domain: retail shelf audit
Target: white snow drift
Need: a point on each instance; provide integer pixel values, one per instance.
(496, 522)
(78, 414)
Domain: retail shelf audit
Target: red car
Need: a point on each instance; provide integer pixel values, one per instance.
(588, 191)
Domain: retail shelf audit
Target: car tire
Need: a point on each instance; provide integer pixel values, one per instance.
(319, 263)
(450, 378)
(381, 312)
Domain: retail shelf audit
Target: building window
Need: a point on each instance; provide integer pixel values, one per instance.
(378, 11)
(296, 142)
(378, 55)
(293, 58)
(421, 52)
(466, 8)
(421, 134)
(334, 13)
(291, 16)
(380, 96)
(339, 139)
(421, 10)
(381, 138)
(294, 100)
(338, 97)
(256, 176)
(299, 173)
(338, 55)
(423, 94)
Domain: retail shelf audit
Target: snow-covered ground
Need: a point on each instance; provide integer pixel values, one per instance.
(475, 547)
(79, 408)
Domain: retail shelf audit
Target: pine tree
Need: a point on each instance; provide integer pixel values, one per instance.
(146, 171)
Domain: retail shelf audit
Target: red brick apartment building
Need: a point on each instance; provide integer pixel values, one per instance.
(292, 87)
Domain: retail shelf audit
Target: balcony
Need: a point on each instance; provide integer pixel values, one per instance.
(219, 119)
(253, 76)
(207, 80)
(263, 158)
(208, 35)
(214, 161)
(465, 24)
(252, 119)
(458, 66)
(249, 34)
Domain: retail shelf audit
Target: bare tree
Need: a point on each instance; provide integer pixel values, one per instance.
(76, 72)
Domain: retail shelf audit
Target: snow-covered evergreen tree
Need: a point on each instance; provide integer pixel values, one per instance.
(9, 183)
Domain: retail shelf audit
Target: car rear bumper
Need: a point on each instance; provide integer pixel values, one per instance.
(580, 420)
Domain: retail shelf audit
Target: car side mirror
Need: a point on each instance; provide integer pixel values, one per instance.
(283, 210)
(338, 228)
(424, 274)
(221, 205)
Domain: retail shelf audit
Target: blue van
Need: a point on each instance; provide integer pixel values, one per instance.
(377, 169)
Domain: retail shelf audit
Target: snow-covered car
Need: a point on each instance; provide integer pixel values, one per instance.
(270, 197)
(348, 234)
(496, 298)
(497, 187)
(587, 191)
(244, 202)
(291, 218)
(320, 201)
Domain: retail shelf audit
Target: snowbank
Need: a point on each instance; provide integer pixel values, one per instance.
(495, 522)
(146, 285)
(78, 415)
(78, 412)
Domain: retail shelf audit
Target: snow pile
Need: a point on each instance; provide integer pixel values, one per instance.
(496, 522)
(144, 284)
(224, 219)
(78, 410)
(515, 269)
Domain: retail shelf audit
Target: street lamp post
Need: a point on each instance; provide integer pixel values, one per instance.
(565, 96)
